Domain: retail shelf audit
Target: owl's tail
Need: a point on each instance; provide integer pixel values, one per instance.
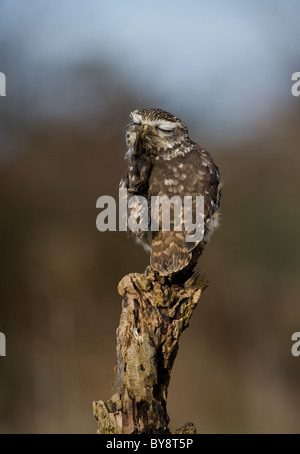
(169, 254)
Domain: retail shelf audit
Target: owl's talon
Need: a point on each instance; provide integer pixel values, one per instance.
(148, 270)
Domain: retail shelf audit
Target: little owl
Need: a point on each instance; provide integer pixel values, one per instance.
(163, 161)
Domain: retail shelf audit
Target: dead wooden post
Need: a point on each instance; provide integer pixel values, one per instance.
(155, 311)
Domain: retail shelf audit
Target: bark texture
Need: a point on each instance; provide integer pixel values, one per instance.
(155, 311)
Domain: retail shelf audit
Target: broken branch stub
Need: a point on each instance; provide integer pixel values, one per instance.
(155, 311)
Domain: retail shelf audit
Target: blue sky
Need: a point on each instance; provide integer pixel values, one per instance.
(231, 61)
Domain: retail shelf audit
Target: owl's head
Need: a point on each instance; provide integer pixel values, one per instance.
(156, 130)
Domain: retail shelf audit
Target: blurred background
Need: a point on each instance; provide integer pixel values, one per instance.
(74, 71)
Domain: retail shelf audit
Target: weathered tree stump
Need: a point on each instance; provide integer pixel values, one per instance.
(155, 311)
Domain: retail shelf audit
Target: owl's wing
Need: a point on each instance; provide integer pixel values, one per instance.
(193, 174)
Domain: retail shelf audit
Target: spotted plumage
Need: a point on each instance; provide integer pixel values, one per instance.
(163, 161)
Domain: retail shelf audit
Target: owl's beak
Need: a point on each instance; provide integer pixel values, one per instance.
(144, 133)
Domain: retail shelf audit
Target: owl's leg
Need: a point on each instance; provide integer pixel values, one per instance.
(149, 271)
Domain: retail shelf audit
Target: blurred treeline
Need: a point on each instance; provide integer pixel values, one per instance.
(58, 274)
